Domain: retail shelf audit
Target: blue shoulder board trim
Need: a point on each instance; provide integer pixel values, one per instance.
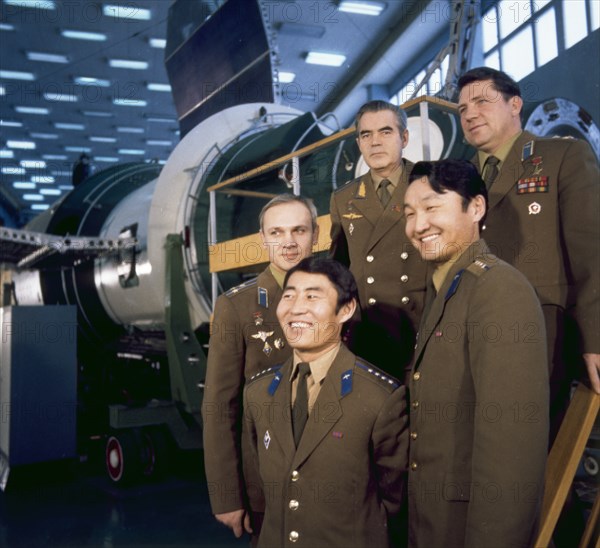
(275, 383)
(346, 383)
(381, 375)
(454, 285)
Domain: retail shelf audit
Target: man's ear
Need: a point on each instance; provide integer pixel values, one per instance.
(404, 136)
(478, 205)
(517, 105)
(347, 311)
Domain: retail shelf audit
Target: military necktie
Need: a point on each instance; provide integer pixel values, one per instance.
(300, 410)
(490, 171)
(384, 192)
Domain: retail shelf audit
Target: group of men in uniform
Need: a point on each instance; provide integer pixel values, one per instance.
(482, 333)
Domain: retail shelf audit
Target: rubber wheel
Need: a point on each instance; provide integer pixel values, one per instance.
(122, 457)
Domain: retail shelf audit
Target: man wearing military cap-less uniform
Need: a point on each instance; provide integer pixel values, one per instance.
(544, 196)
(328, 430)
(245, 338)
(367, 235)
(479, 383)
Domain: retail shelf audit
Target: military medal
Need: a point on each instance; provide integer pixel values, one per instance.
(258, 319)
(263, 336)
(351, 228)
(267, 439)
(279, 343)
(352, 216)
(396, 208)
(537, 162)
(534, 208)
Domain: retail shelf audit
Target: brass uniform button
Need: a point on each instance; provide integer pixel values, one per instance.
(372, 301)
(370, 258)
(294, 536)
(294, 504)
(413, 435)
(414, 405)
(417, 376)
(404, 255)
(295, 475)
(370, 280)
(404, 278)
(413, 466)
(405, 300)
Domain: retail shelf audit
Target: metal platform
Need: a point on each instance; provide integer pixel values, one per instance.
(26, 249)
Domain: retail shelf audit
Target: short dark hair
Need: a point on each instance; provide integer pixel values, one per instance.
(287, 199)
(501, 81)
(458, 176)
(378, 106)
(341, 278)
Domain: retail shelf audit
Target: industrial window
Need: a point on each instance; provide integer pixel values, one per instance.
(520, 36)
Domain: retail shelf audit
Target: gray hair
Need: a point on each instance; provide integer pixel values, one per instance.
(287, 199)
(378, 106)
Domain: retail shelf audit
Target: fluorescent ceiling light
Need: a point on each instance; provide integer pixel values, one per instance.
(286, 77)
(364, 7)
(10, 123)
(78, 149)
(327, 59)
(2, 90)
(103, 139)
(13, 170)
(132, 151)
(90, 81)
(39, 207)
(44, 135)
(158, 87)
(6, 26)
(159, 120)
(105, 159)
(44, 179)
(38, 4)
(23, 145)
(32, 110)
(75, 127)
(158, 143)
(160, 43)
(23, 185)
(47, 57)
(129, 11)
(123, 129)
(128, 64)
(97, 113)
(16, 75)
(62, 97)
(54, 156)
(84, 35)
(33, 164)
(130, 102)
(7, 153)
(50, 192)
(33, 197)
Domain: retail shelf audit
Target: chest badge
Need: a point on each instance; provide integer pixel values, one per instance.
(267, 439)
(263, 336)
(534, 208)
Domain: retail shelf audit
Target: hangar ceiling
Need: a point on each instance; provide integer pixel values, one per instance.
(60, 96)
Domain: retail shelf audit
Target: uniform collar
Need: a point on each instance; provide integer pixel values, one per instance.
(277, 274)
(319, 367)
(501, 153)
(394, 177)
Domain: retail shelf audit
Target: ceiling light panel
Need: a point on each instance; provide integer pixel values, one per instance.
(35, 4)
(40, 207)
(128, 11)
(7, 27)
(32, 110)
(129, 102)
(97, 113)
(326, 59)
(23, 185)
(128, 64)
(87, 150)
(47, 57)
(50, 192)
(103, 139)
(91, 81)
(158, 87)
(132, 151)
(22, 145)
(363, 7)
(286, 77)
(6, 154)
(124, 129)
(83, 35)
(33, 164)
(33, 197)
(54, 156)
(73, 127)
(13, 170)
(16, 75)
(159, 43)
(60, 97)
(43, 135)
(108, 159)
(10, 123)
(44, 179)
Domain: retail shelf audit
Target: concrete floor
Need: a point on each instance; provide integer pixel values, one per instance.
(76, 505)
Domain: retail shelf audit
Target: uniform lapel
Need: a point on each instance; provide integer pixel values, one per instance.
(280, 423)
(393, 212)
(511, 171)
(429, 324)
(365, 200)
(327, 406)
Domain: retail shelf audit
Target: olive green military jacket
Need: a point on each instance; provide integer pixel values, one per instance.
(245, 339)
(543, 219)
(389, 272)
(346, 477)
(478, 410)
